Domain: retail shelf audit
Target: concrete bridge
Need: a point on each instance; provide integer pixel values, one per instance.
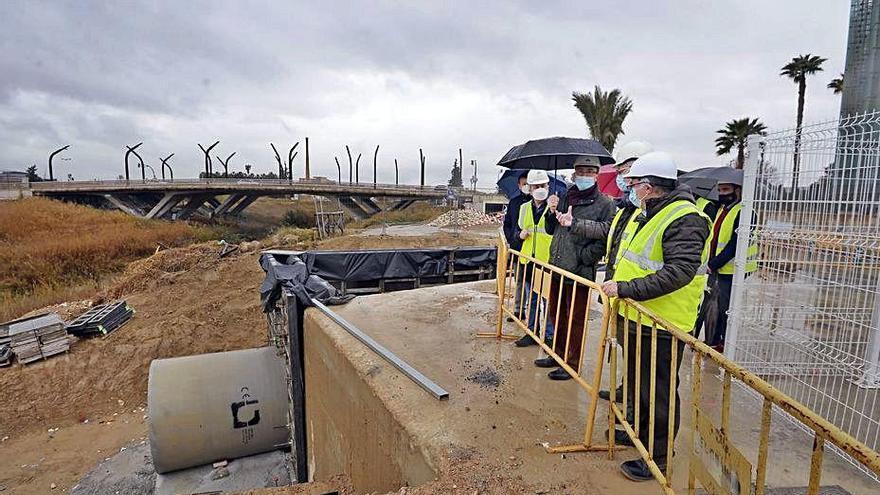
(181, 198)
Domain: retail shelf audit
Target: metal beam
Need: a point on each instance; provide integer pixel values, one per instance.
(415, 375)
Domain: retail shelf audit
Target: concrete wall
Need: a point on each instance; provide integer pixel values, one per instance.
(350, 429)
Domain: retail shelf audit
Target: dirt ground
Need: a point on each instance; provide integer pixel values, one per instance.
(187, 301)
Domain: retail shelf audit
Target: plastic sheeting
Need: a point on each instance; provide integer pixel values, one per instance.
(292, 275)
(363, 266)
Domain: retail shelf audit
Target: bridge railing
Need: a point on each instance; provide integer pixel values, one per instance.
(316, 184)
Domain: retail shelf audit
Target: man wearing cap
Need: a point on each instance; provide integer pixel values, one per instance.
(532, 230)
(662, 251)
(608, 232)
(578, 255)
(511, 234)
(722, 250)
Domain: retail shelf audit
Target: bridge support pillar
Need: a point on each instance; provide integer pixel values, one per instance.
(194, 202)
(401, 205)
(244, 203)
(354, 208)
(228, 203)
(121, 202)
(165, 205)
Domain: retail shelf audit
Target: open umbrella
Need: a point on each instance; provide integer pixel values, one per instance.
(608, 181)
(555, 153)
(508, 183)
(704, 181)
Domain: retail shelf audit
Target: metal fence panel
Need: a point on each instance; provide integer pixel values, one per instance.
(808, 321)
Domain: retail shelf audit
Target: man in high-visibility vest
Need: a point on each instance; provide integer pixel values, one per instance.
(706, 205)
(722, 251)
(531, 228)
(659, 262)
(511, 231)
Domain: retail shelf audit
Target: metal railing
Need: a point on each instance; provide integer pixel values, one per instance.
(549, 312)
(706, 438)
(715, 460)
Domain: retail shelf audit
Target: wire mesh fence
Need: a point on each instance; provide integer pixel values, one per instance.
(808, 320)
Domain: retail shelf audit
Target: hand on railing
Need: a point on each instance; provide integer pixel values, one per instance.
(610, 288)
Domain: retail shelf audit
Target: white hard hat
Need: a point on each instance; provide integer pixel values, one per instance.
(631, 151)
(537, 177)
(656, 164)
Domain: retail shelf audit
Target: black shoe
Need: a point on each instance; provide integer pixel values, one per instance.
(618, 396)
(636, 470)
(510, 319)
(559, 374)
(621, 438)
(525, 341)
(547, 362)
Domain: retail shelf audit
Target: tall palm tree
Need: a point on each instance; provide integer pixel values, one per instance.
(604, 113)
(797, 70)
(836, 84)
(736, 134)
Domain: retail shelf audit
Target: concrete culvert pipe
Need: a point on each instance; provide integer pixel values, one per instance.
(218, 406)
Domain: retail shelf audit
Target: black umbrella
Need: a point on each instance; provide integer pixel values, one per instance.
(704, 181)
(555, 153)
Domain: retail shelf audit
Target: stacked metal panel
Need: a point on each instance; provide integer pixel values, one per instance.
(101, 319)
(37, 337)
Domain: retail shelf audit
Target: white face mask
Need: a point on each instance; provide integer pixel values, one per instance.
(525, 189)
(540, 194)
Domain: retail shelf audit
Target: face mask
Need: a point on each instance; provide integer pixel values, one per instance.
(621, 183)
(540, 194)
(727, 199)
(634, 198)
(584, 182)
(524, 189)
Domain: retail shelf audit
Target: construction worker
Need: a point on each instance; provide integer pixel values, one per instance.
(532, 230)
(658, 263)
(511, 235)
(706, 205)
(610, 231)
(722, 250)
(575, 254)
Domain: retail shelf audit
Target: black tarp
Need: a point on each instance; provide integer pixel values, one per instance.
(373, 265)
(294, 277)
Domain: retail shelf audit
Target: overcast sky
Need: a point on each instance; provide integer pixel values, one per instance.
(482, 76)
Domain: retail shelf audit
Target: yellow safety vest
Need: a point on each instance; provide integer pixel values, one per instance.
(724, 235)
(536, 245)
(641, 254)
(617, 217)
(702, 203)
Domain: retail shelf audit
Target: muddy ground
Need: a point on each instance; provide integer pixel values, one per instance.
(187, 301)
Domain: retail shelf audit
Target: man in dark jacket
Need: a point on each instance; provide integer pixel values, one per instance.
(668, 281)
(578, 255)
(511, 230)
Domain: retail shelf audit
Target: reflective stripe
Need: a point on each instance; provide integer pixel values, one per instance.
(649, 246)
(643, 261)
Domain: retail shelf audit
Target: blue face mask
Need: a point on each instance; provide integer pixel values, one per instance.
(621, 184)
(634, 198)
(584, 182)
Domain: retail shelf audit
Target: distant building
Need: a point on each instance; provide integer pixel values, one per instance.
(14, 176)
(861, 80)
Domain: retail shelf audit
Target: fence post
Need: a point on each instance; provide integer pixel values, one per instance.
(744, 238)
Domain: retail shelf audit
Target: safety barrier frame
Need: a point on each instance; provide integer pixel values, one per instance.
(509, 269)
(716, 438)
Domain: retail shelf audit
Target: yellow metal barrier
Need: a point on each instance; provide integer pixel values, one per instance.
(554, 298)
(706, 437)
(616, 331)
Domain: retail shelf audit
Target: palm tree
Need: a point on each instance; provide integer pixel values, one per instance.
(736, 134)
(604, 113)
(797, 70)
(836, 84)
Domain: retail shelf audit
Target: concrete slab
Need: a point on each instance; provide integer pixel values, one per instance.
(372, 423)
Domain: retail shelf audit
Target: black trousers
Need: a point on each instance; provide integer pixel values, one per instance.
(725, 286)
(662, 374)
